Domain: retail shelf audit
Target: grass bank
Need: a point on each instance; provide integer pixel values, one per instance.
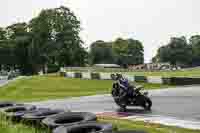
(145, 126)
(40, 88)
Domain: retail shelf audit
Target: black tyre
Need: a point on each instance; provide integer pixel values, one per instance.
(15, 112)
(147, 103)
(130, 131)
(7, 104)
(39, 115)
(18, 115)
(91, 127)
(68, 119)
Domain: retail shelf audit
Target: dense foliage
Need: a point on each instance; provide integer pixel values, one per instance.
(180, 51)
(50, 38)
(121, 51)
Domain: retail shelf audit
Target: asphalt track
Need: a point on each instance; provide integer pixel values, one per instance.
(174, 106)
(3, 82)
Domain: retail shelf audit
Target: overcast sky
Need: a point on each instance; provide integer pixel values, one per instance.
(151, 21)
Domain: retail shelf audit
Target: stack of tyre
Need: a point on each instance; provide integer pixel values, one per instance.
(57, 121)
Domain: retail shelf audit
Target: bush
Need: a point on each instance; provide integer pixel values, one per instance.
(52, 68)
(95, 76)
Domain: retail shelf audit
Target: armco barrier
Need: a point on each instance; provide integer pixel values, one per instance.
(154, 80)
(184, 81)
(3, 77)
(166, 81)
(70, 75)
(95, 76)
(78, 75)
(86, 75)
(129, 77)
(144, 79)
(105, 76)
(62, 74)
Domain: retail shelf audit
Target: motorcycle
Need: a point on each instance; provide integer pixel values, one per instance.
(122, 99)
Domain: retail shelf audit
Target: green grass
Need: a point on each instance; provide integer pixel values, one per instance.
(7, 126)
(145, 126)
(40, 88)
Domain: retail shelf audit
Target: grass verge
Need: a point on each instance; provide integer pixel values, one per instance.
(40, 88)
(145, 126)
(8, 126)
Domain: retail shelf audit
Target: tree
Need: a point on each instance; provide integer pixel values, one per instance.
(2, 34)
(136, 52)
(101, 52)
(59, 29)
(121, 51)
(177, 52)
(195, 44)
(128, 52)
(50, 38)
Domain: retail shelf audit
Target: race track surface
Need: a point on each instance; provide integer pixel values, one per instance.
(174, 106)
(3, 82)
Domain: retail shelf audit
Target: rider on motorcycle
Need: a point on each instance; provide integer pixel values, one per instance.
(124, 83)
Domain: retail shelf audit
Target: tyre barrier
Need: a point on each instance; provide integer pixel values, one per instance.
(141, 79)
(17, 108)
(68, 119)
(184, 81)
(38, 116)
(6, 104)
(78, 75)
(62, 74)
(57, 121)
(15, 112)
(18, 116)
(91, 127)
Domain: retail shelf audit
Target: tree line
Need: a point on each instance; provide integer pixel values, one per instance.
(123, 52)
(51, 38)
(180, 51)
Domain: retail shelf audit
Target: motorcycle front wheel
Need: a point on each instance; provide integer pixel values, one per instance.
(147, 103)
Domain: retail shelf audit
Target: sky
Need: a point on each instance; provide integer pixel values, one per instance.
(152, 22)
